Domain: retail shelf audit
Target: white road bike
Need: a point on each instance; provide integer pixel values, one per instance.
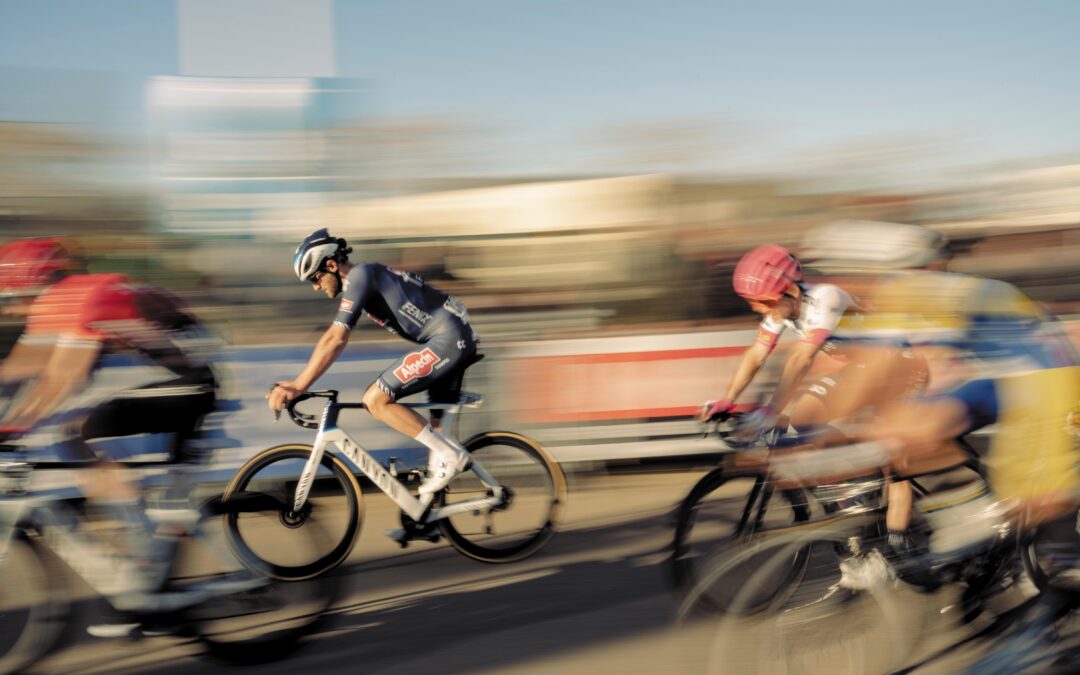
(505, 507)
(48, 534)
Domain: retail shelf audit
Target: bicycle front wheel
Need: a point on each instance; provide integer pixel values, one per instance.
(821, 628)
(726, 508)
(283, 544)
(536, 494)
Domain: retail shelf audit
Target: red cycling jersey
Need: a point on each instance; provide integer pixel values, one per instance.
(110, 311)
(83, 307)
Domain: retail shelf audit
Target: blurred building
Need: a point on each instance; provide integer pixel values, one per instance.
(236, 155)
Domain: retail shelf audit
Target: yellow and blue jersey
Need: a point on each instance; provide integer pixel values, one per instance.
(1028, 372)
(990, 321)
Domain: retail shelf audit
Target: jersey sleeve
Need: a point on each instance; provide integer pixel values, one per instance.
(824, 316)
(111, 313)
(358, 284)
(769, 331)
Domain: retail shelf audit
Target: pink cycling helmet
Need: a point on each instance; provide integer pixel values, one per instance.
(766, 272)
(28, 265)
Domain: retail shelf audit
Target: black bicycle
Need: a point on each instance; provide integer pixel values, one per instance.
(735, 509)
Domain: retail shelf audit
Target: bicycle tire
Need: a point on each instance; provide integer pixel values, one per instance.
(549, 498)
(260, 625)
(873, 631)
(34, 610)
(340, 478)
(687, 558)
(1050, 554)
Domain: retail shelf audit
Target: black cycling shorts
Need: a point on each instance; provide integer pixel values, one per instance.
(435, 366)
(175, 406)
(980, 399)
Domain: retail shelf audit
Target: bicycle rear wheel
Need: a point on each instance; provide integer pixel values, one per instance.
(279, 543)
(730, 507)
(33, 606)
(520, 527)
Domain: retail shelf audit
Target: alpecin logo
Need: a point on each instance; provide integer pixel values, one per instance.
(417, 364)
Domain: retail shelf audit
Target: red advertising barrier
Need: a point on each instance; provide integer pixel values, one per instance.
(632, 378)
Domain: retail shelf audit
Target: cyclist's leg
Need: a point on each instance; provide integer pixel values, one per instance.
(173, 407)
(445, 390)
(925, 429)
(431, 367)
(418, 371)
(810, 410)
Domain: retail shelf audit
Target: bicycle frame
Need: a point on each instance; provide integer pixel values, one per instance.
(109, 574)
(420, 510)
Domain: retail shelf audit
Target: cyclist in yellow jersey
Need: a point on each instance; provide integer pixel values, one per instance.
(1022, 374)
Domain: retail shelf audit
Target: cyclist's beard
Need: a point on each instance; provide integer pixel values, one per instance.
(340, 285)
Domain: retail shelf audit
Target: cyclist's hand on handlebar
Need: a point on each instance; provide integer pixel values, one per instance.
(712, 410)
(752, 426)
(281, 394)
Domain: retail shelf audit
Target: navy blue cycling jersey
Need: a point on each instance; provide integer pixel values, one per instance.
(401, 302)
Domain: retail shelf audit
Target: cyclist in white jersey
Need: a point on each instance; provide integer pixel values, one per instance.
(854, 377)
(771, 279)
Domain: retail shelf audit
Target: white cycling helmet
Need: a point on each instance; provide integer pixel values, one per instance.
(316, 249)
(871, 245)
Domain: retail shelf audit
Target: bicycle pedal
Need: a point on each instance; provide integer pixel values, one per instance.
(400, 536)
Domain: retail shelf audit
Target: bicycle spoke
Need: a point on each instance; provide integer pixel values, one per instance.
(525, 516)
(295, 545)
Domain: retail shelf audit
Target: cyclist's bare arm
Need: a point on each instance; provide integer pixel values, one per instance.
(795, 368)
(327, 350)
(66, 372)
(25, 361)
(751, 362)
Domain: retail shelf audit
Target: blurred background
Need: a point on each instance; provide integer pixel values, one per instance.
(566, 170)
(583, 175)
(571, 171)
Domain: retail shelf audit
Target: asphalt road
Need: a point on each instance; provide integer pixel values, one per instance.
(596, 600)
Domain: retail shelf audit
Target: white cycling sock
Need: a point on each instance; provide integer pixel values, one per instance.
(437, 443)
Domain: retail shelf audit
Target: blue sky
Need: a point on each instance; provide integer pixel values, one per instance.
(993, 79)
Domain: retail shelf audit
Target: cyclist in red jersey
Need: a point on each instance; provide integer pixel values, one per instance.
(75, 321)
(72, 322)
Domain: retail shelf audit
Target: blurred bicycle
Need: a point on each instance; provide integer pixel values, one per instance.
(48, 533)
(764, 543)
(768, 490)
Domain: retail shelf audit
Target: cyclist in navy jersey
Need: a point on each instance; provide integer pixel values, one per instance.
(406, 305)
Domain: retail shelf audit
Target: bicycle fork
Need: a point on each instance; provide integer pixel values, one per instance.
(759, 497)
(307, 476)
